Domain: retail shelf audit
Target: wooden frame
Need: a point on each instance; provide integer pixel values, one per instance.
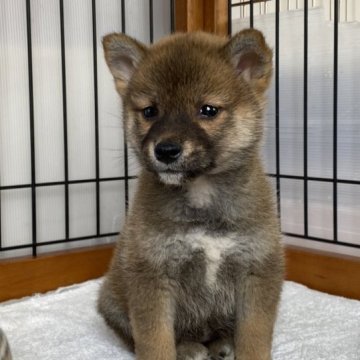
(328, 272)
(26, 276)
(335, 274)
(202, 15)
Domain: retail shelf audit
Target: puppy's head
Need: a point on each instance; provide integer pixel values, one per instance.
(192, 102)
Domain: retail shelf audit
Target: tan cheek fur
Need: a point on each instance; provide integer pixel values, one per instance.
(136, 126)
(211, 126)
(243, 133)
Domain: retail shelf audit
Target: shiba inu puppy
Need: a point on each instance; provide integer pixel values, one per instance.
(198, 268)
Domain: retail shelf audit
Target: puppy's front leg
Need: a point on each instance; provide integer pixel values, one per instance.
(256, 313)
(152, 322)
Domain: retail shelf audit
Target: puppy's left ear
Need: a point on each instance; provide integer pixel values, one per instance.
(251, 57)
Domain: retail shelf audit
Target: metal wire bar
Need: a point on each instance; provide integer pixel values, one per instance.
(314, 238)
(89, 237)
(83, 181)
(32, 126)
(60, 241)
(277, 104)
(251, 13)
(64, 100)
(305, 138)
(229, 18)
(313, 178)
(151, 21)
(0, 226)
(172, 16)
(56, 183)
(243, 3)
(335, 120)
(126, 158)
(96, 116)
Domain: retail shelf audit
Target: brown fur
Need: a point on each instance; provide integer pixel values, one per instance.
(198, 269)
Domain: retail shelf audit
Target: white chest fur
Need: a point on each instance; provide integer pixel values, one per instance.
(215, 249)
(176, 249)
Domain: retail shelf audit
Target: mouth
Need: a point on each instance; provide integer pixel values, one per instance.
(171, 177)
(177, 177)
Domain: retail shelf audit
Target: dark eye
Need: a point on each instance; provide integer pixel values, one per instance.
(150, 112)
(208, 111)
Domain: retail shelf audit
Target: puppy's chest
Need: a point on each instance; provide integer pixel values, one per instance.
(200, 259)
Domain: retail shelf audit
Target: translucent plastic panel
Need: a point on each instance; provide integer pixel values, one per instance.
(49, 143)
(111, 144)
(138, 19)
(16, 220)
(82, 208)
(76, 244)
(292, 206)
(162, 18)
(291, 93)
(348, 102)
(50, 205)
(349, 213)
(320, 95)
(112, 206)
(14, 94)
(8, 254)
(320, 209)
(80, 88)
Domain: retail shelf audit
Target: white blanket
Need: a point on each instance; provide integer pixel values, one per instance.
(65, 325)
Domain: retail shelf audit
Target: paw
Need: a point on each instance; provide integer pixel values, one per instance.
(222, 349)
(192, 351)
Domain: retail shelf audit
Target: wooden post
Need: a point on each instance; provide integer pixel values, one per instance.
(202, 15)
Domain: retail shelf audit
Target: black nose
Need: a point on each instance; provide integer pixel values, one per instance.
(167, 152)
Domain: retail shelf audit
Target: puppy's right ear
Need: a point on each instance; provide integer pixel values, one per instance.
(122, 55)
